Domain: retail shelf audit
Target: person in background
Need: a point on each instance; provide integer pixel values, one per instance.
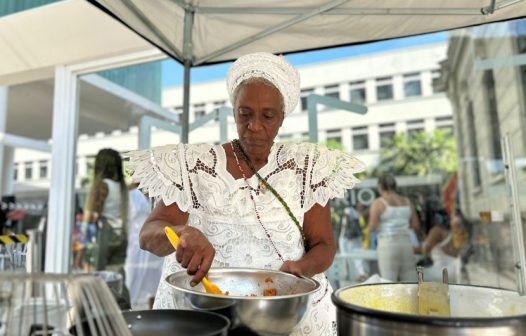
(351, 238)
(393, 216)
(442, 247)
(250, 202)
(143, 269)
(107, 206)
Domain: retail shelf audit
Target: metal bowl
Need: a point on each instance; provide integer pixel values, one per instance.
(392, 309)
(245, 303)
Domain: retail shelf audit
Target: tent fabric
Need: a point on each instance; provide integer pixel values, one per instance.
(225, 30)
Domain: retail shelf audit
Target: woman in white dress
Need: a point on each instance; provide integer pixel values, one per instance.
(250, 202)
(393, 217)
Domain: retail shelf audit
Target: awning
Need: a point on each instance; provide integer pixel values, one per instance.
(208, 31)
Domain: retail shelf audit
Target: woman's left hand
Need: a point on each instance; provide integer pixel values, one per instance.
(292, 267)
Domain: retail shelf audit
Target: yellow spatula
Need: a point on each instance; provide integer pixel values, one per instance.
(433, 297)
(174, 239)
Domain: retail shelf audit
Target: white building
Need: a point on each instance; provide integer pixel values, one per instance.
(396, 86)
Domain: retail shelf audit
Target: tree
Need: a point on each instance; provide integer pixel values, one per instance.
(419, 154)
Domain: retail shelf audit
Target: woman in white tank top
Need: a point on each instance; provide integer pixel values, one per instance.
(393, 216)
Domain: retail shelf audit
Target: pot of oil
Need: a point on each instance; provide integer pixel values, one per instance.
(392, 309)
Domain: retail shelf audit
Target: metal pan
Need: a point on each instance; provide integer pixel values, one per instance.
(176, 323)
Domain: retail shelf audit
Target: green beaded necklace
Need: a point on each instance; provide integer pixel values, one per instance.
(245, 158)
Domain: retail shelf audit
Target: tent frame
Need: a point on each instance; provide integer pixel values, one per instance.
(299, 14)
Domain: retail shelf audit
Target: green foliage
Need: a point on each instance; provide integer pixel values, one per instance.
(420, 154)
(333, 144)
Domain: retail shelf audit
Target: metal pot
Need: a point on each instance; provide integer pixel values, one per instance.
(176, 323)
(245, 304)
(391, 309)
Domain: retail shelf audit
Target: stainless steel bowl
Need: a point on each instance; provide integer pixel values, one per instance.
(245, 304)
(392, 309)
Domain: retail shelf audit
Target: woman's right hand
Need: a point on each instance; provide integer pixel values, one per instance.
(195, 253)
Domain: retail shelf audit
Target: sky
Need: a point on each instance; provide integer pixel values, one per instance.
(173, 71)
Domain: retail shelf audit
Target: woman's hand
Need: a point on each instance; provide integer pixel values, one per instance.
(195, 253)
(292, 267)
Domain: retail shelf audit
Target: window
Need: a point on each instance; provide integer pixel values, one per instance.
(28, 170)
(334, 135)
(360, 138)
(304, 94)
(436, 82)
(333, 91)
(387, 133)
(220, 103)
(15, 173)
(445, 123)
(412, 85)
(178, 109)
(357, 92)
(42, 169)
(304, 136)
(384, 88)
(472, 138)
(414, 127)
(199, 110)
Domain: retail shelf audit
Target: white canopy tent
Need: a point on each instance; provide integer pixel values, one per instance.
(201, 32)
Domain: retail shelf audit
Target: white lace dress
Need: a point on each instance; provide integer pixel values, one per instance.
(195, 177)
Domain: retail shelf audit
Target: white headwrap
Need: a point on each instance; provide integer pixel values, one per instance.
(273, 68)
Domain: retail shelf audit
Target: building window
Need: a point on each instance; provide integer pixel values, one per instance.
(473, 146)
(178, 109)
(357, 92)
(414, 127)
(15, 172)
(304, 136)
(384, 88)
(199, 110)
(334, 135)
(332, 91)
(42, 169)
(219, 104)
(445, 124)
(28, 170)
(496, 165)
(304, 94)
(412, 85)
(436, 83)
(387, 133)
(360, 138)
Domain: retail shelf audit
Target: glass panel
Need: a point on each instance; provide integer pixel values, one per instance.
(384, 88)
(333, 91)
(110, 211)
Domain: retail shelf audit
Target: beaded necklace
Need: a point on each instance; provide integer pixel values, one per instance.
(258, 217)
(235, 143)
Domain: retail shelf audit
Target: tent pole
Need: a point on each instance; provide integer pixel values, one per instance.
(185, 118)
(189, 11)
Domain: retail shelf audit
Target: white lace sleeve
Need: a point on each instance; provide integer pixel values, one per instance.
(160, 172)
(331, 173)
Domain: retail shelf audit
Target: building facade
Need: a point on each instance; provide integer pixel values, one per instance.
(486, 77)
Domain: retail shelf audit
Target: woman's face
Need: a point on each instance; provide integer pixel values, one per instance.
(258, 111)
